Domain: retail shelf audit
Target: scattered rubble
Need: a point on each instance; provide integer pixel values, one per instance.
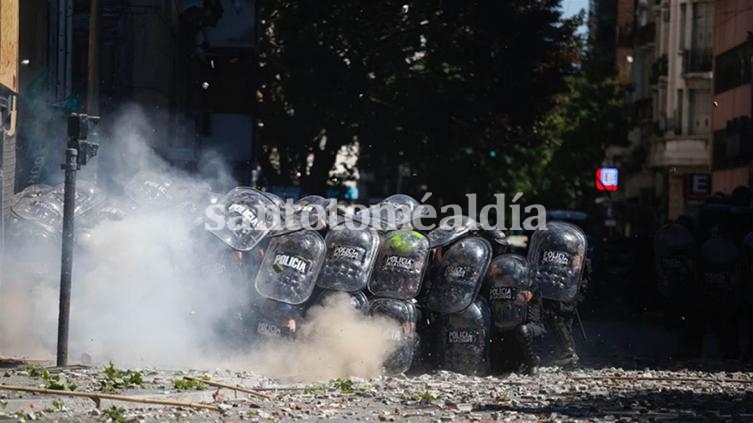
(606, 394)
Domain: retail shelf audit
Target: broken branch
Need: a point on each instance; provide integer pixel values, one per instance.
(235, 388)
(96, 397)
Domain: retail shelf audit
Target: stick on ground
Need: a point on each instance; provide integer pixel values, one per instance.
(97, 397)
(235, 388)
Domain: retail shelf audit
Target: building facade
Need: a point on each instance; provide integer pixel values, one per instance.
(732, 108)
(671, 77)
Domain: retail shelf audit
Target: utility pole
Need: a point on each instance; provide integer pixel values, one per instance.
(77, 153)
(92, 88)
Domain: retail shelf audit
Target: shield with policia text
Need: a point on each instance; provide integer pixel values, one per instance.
(508, 276)
(291, 266)
(351, 254)
(243, 217)
(400, 265)
(456, 282)
(557, 259)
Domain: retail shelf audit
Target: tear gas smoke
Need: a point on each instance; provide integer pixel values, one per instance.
(336, 341)
(145, 292)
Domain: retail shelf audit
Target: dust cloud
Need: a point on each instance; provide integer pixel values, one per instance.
(336, 341)
(146, 293)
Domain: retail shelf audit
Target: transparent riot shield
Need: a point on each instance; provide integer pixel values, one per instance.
(720, 274)
(42, 210)
(150, 189)
(404, 335)
(154, 190)
(310, 212)
(351, 254)
(450, 230)
(243, 217)
(88, 197)
(400, 265)
(458, 279)
(673, 251)
(508, 276)
(291, 266)
(358, 299)
(276, 320)
(557, 257)
(464, 340)
(395, 212)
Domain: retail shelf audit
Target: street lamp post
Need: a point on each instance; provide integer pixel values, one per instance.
(77, 153)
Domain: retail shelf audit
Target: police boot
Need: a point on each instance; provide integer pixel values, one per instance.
(564, 335)
(528, 355)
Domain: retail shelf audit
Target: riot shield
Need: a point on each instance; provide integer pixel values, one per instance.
(42, 211)
(276, 320)
(747, 258)
(508, 276)
(34, 234)
(247, 216)
(291, 266)
(310, 212)
(400, 265)
(557, 257)
(405, 336)
(150, 188)
(279, 227)
(450, 230)
(153, 190)
(357, 299)
(464, 340)
(350, 258)
(458, 279)
(673, 252)
(720, 273)
(88, 196)
(394, 212)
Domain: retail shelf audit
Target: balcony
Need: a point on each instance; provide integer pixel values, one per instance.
(646, 34)
(666, 125)
(697, 60)
(658, 69)
(679, 151)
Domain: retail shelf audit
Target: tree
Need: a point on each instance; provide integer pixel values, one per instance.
(455, 91)
(591, 115)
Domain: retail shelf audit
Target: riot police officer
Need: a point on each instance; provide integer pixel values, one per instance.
(462, 321)
(675, 255)
(721, 289)
(516, 314)
(557, 257)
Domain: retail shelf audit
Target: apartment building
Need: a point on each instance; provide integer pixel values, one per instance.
(670, 160)
(732, 108)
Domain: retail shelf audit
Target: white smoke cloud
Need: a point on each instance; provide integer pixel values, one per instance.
(142, 293)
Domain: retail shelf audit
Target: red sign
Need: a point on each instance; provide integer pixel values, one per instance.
(607, 179)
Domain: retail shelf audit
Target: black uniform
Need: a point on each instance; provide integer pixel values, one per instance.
(560, 269)
(516, 314)
(721, 292)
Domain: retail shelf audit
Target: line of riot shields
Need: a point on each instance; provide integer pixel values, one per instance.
(704, 266)
(454, 292)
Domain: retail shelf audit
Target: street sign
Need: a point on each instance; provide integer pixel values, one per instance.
(699, 185)
(607, 179)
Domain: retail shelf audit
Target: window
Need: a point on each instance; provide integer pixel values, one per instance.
(733, 68)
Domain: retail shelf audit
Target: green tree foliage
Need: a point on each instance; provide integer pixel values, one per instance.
(458, 91)
(590, 116)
